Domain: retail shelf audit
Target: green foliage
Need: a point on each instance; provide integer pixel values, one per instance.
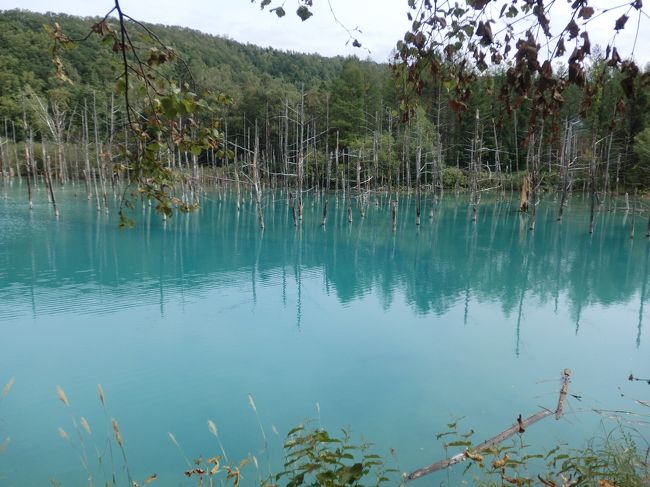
(356, 96)
(615, 459)
(453, 177)
(641, 172)
(313, 457)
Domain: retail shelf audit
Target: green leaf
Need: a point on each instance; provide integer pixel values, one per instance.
(295, 430)
(264, 3)
(169, 107)
(279, 12)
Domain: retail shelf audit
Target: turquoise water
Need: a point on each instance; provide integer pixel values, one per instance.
(390, 334)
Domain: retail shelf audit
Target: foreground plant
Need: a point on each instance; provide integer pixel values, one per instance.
(313, 457)
(618, 458)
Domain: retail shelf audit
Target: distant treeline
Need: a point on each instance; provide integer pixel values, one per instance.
(316, 109)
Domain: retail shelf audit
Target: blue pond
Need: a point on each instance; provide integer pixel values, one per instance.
(349, 325)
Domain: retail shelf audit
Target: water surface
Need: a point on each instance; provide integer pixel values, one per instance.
(391, 334)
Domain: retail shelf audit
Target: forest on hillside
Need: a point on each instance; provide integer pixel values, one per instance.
(296, 120)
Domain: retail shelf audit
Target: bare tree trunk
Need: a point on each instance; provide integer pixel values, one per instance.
(360, 203)
(286, 146)
(48, 179)
(418, 167)
(292, 203)
(389, 163)
(301, 155)
(349, 195)
(336, 158)
(516, 143)
(87, 172)
(406, 153)
(497, 161)
(633, 215)
(16, 159)
(29, 184)
(375, 151)
(111, 136)
(565, 156)
(237, 182)
(324, 219)
(475, 169)
(28, 159)
(6, 152)
(2, 154)
(256, 180)
(98, 155)
(592, 186)
(532, 164)
(608, 158)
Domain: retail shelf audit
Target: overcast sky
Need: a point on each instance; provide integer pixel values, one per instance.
(382, 22)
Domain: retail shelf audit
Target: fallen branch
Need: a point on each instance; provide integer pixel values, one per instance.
(519, 427)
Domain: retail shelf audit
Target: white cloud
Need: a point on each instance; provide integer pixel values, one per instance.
(382, 22)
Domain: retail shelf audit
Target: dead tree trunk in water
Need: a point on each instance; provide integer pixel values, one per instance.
(237, 182)
(84, 132)
(301, 154)
(592, 186)
(475, 195)
(98, 155)
(28, 159)
(565, 156)
(285, 141)
(256, 180)
(13, 137)
(2, 154)
(292, 204)
(336, 163)
(360, 206)
(348, 191)
(418, 167)
(48, 179)
(497, 162)
(534, 160)
(633, 215)
(29, 153)
(324, 219)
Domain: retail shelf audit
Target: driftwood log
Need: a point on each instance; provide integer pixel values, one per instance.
(519, 427)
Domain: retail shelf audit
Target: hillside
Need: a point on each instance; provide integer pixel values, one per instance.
(219, 64)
